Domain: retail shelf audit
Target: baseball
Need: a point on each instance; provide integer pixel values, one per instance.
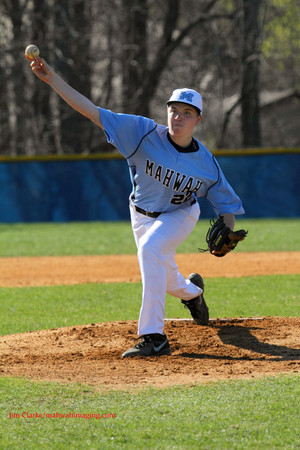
(32, 52)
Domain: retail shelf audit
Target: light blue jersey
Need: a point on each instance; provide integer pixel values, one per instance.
(164, 178)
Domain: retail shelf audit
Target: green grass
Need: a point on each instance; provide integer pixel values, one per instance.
(264, 235)
(37, 308)
(75, 238)
(90, 238)
(252, 414)
(255, 414)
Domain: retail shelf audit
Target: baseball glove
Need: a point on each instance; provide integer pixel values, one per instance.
(221, 239)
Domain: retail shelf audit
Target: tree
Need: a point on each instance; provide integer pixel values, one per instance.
(134, 52)
(128, 55)
(142, 78)
(15, 81)
(73, 60)
(46, 129)
(252, 38)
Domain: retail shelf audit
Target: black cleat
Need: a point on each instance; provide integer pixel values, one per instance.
(197, 305)
(151, 345)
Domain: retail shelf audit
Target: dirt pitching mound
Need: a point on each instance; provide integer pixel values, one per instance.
(91, 354)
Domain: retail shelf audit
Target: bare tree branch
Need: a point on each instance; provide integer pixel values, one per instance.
(168, 45)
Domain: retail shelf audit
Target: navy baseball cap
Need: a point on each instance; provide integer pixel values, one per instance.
(188, 96)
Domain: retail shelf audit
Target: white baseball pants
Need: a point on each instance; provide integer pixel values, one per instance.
(157, 240)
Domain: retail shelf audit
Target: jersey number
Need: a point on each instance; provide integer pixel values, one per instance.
(178, 199)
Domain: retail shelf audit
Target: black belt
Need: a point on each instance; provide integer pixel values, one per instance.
(154, 215)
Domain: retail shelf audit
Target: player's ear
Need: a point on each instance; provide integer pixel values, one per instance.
(199, 118)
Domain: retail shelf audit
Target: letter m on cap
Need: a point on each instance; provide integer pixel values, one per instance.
(186, 96)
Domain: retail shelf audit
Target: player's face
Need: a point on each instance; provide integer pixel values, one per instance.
(182, 120)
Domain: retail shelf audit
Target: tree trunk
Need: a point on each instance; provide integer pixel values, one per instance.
(45, 134)
(16, 85)
(140, 86)
(81, 68)
(134, 55)
(74, 63)
(253, 26)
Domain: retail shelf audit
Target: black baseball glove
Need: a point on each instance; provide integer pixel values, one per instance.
(221, 239)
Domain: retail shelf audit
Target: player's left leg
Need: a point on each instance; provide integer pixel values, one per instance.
(156, 253)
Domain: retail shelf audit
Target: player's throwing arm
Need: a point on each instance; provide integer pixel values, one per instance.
(45, 73)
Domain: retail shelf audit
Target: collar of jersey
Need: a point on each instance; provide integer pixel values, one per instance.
(193, 147)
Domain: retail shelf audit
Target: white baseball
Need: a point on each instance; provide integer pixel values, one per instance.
(32, 52)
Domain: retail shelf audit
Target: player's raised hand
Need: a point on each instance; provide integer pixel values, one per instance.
(42, 70)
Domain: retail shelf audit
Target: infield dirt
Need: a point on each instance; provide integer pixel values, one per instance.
(56, 270)
(91, 354)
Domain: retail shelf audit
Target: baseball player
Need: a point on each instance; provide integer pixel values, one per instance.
(169, 169)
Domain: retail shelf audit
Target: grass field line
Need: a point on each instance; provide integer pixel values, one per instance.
(57, 270)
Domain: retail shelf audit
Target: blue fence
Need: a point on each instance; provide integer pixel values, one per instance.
(78, 189)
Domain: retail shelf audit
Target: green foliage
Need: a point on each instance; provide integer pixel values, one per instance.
(282, 30)
(239, 414)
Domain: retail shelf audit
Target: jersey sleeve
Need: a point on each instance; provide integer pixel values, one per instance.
(222, 196)
(125, 131)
